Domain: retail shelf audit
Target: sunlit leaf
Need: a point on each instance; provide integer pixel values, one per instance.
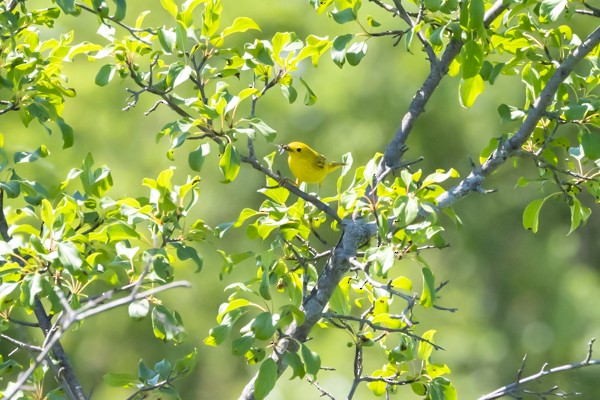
(470, 89)
(230, 163)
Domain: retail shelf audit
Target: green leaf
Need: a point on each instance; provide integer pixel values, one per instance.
(217, 335)
(356, 52)
(196, 158)
(441, 388)
(476, 14)
(310, 98)
(167, 39)
(145, 373)
(406, 209)
(187, 10)
(402, 282)
(255, 355)
(27, 157)
(509, 113)
(590, 142)
(170, 6)
(229, 164)
(121, 231)
(384, 258)
(425, 348)
(188, 253)
(263, 326)
(211, 17)
(181, 36)
(437, 36)
(167, 325)
(183, 366)
(338, 50)
(9, 366)
(579, 214)
(531, 214)
(241, 345)
(105, 74)
(68, 6)
(231, 306)
(69, 256)
(470, 89)
(264, 288)
(379, 387)
(67, 133)
(121, 380)
(178, 73)
(139, 309)
(7, 289)
(472, 59)
(291, 310)
(241, 24)
(550, 10)
(372, 22)
(261, 127)
(96, 182)
(266, 379)
(119, 14)
(294, 361)
(432, 5)
(340, 299)
(289, 92)
(344, 16)
(428, 292)
(312, 361)
(244, 215)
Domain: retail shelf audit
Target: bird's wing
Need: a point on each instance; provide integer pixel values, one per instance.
(319, 162)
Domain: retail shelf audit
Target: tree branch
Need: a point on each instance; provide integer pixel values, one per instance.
(514, 388)
(355, 234)
(397, 146)
(54, 332)
(474, 181)
(131, 30)
(66, 377)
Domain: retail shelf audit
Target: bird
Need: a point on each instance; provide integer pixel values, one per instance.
(306, 164)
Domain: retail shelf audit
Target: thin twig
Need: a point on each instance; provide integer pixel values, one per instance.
(377, 327)
(324, 393)
(515, 387)
(132, 31)
(292, 188)
(20, 344)
(65, 320)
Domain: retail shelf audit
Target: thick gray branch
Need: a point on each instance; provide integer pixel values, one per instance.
(355, 234)
(473, 182)
(439, 69)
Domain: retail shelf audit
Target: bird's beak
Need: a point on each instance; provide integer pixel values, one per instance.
(283, 147)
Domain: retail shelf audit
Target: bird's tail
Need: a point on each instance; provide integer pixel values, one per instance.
(333, 165)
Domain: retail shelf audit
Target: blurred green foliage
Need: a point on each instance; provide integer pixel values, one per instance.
(516, 292)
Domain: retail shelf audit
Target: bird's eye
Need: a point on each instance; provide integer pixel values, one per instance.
(298, 149)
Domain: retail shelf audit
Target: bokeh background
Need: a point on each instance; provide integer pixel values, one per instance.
(516, 293)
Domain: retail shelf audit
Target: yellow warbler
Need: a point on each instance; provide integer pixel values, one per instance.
(306, 164)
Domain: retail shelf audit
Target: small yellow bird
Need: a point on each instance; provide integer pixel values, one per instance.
(306, 164)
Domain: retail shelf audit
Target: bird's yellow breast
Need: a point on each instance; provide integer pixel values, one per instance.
(307, 170)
